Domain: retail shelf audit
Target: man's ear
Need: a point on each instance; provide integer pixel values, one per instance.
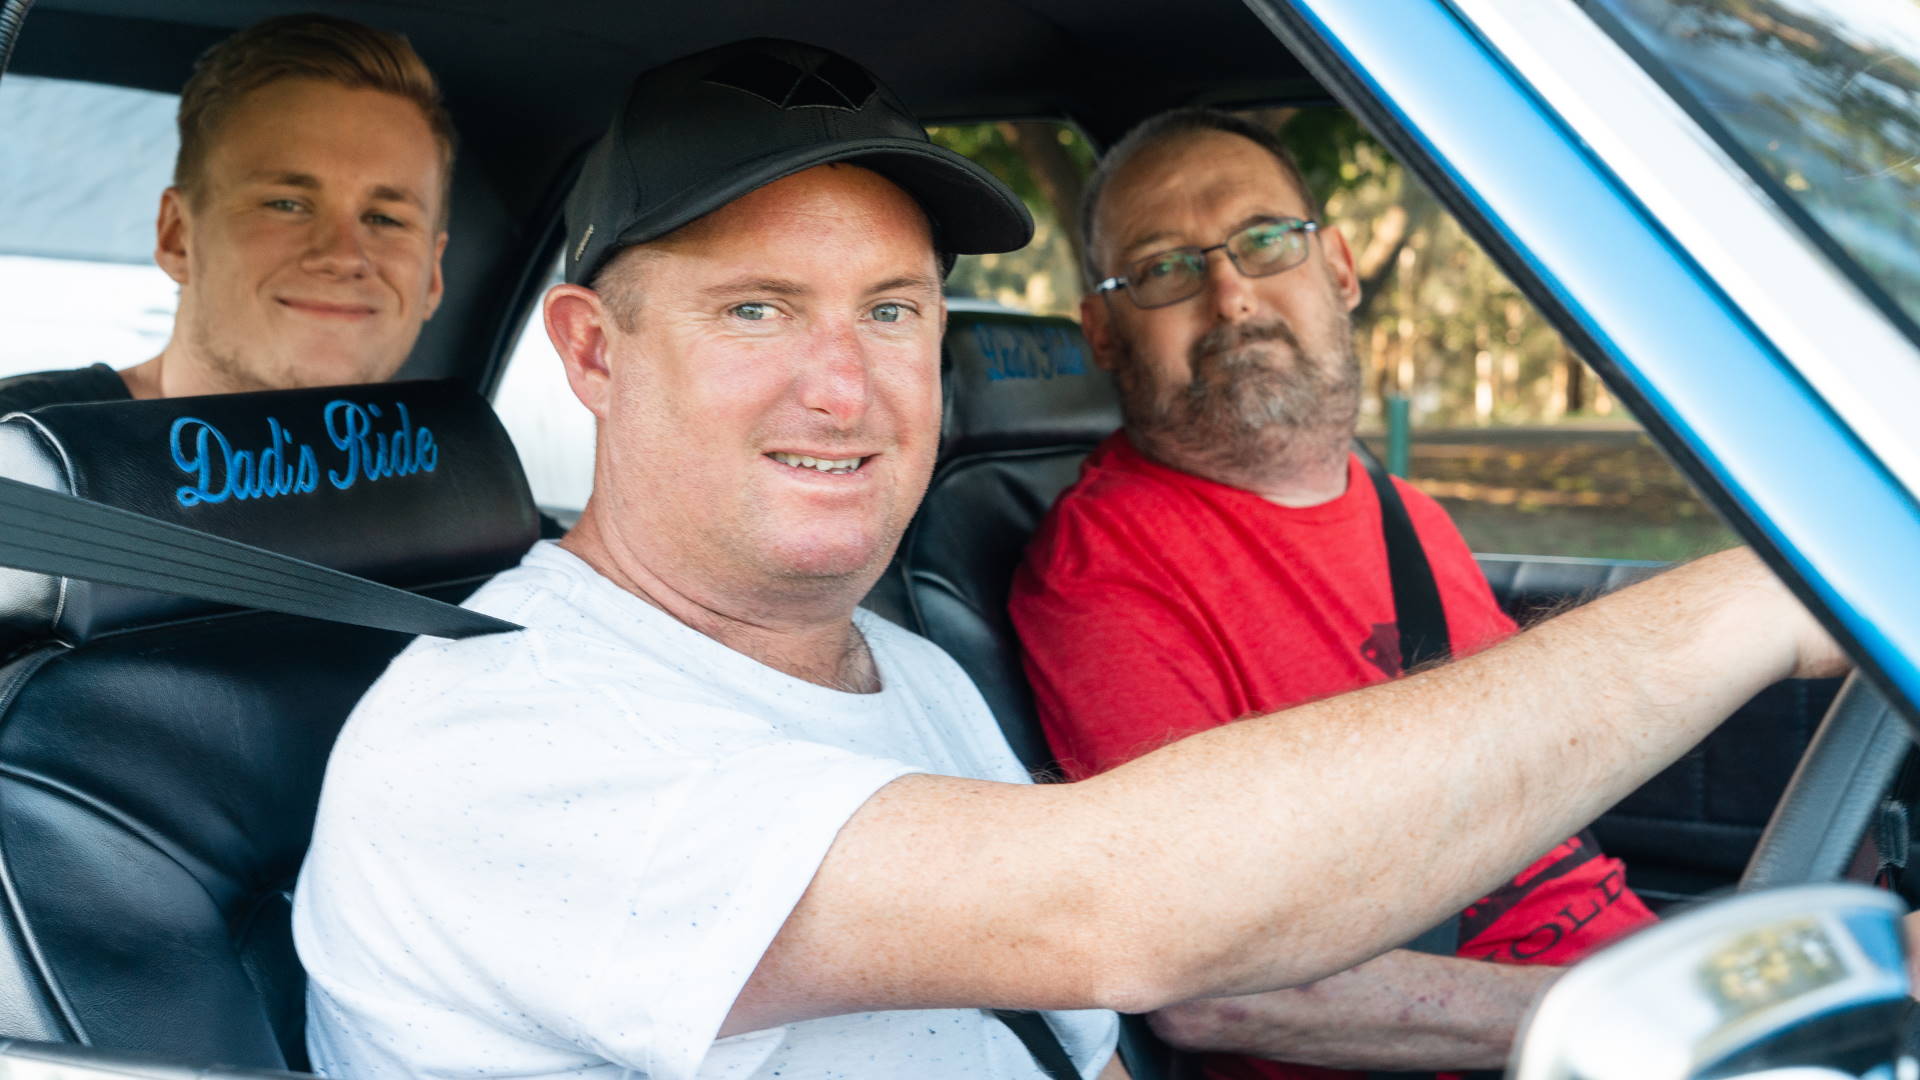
(1346, 281)
(1096, 321)
(578, 324)
(437, 286)
(172, 234)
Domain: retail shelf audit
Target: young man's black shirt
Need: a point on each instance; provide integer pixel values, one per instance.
(97, 382)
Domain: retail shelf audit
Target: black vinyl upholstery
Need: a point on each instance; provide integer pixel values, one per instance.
(1024, 405)
(160, 759)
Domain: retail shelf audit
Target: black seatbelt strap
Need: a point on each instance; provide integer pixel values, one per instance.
(1416, 599)
(1423, 639)
(1037, 1036)
(50, 532)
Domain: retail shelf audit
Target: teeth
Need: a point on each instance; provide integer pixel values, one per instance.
(801, 461)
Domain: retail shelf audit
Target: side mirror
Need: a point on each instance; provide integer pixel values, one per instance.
(1807, 982)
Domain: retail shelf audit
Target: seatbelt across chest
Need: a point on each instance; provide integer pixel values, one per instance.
(1416, 597)
(1422, 624)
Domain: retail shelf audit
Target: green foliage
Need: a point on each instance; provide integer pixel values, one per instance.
(1326, 143)
(988, 145)
(1044, 277)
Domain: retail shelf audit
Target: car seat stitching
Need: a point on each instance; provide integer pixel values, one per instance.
(174, 853)
(109, 813)
(31, 954)
(36, 957)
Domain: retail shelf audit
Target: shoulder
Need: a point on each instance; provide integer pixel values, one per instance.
(97, 382)
(579, 654)
(931, 668)
(1115, 478)
(1118, 495)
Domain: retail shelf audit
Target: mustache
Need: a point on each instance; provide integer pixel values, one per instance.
(1227, 337)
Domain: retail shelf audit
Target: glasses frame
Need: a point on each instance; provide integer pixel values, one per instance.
(1304, 225)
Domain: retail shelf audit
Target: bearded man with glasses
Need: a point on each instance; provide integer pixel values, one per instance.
(1225, 554)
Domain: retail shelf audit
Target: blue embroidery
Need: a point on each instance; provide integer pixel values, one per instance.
(219, 472)
(1039, 352)
(376, 455)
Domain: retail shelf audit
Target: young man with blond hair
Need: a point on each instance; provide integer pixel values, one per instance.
(305, 223)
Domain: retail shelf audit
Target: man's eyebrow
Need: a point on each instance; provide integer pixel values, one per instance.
(1155, 237)
(310, 182)
(1162, 235)
(907, 282)
(1251, 220)
(760, 285)
(283, 178)
(389, 193)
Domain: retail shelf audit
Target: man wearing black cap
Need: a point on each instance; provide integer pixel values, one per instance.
(705, 818)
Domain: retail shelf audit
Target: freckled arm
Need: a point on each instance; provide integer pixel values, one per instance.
(1399, 1011)
(1268, 853)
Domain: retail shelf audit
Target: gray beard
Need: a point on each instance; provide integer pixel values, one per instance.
(1245, 419)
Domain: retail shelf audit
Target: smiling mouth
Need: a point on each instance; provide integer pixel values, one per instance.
(833, 466)
(315, 307)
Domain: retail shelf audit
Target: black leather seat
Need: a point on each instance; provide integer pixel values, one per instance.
(160, 759)
(1024, 405)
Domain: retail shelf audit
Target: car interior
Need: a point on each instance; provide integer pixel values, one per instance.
(160, 758)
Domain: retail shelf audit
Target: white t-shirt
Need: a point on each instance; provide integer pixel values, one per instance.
(563, 851)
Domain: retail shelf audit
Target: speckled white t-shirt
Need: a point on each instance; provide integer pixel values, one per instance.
(561, 852)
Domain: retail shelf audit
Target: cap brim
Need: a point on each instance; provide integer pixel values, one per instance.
(973, 212)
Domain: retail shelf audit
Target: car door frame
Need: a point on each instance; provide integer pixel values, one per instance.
(1655, 316)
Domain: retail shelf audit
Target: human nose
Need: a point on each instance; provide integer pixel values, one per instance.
(1230, 293)
(837, 383)
(334, 247)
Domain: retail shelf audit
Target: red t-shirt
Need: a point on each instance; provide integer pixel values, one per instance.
(1153, 604)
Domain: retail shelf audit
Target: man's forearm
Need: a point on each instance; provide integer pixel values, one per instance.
(1400, 1011)
(1281, 849)
(1278, 850)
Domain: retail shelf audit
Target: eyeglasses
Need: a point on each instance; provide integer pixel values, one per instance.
(1168, 277)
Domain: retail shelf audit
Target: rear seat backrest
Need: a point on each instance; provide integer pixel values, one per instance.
(160, 758)
(1024, 405)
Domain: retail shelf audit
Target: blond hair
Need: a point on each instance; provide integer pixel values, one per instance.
(304, 47)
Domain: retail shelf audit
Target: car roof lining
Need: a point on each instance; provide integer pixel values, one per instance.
(522, 125)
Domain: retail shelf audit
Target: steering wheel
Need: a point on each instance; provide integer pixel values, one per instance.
(1830, 802)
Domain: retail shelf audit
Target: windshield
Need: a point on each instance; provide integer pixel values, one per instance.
(1819, 100)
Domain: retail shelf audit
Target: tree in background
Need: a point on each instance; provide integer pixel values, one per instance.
(1047, 165)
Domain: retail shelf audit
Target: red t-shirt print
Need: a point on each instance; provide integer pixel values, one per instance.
(1153, 604)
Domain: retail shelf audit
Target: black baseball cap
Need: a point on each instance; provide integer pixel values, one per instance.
(701, 131)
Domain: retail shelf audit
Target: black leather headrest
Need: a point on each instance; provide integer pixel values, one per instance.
(409, 484)
(1019, 381)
